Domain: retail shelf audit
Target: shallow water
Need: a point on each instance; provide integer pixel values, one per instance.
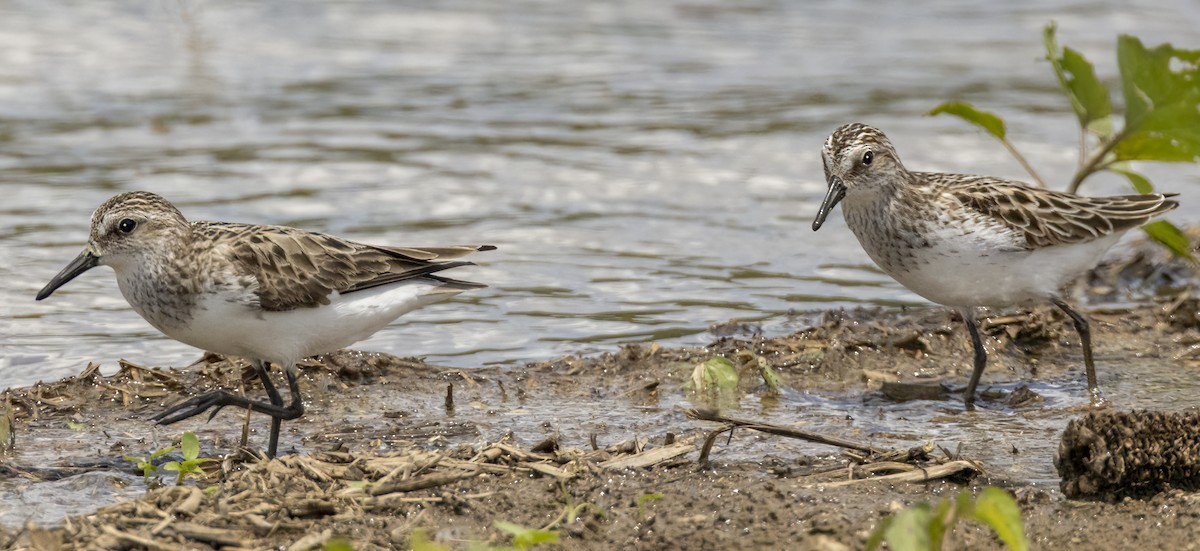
(647, 169)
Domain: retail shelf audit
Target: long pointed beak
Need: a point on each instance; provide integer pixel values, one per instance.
(82, 263)
(837, 190)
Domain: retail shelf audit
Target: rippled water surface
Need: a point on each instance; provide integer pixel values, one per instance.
(647, 169)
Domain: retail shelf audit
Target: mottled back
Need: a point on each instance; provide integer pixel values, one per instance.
(299, 269)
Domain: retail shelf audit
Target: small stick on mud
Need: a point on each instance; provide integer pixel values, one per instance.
(945, 470)
(449, 398)
(710, 415)
(710, 441)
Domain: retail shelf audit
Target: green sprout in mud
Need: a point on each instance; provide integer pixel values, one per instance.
(717, 379)
(1161, 88)
(146, 464)
(571, 508)
(923, 527)
(522, 539)
(644, 501)
(526, 538)
(190, 466)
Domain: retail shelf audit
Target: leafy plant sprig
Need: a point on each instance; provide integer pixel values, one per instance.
(146, 464)
(190, 466)
(1161, 90)
(923, 527)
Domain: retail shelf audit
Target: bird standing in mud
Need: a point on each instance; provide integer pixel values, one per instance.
(969, 241)
(271, 294)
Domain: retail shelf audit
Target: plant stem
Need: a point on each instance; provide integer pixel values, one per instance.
(1096, 162)
(1021, 159)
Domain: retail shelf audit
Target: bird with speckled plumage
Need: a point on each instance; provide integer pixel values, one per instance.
(968, 241)
(271, 294)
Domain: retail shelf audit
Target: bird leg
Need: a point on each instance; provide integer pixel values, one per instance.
(980, 357)
(264, 374)
(218, 399)
(1085, 339)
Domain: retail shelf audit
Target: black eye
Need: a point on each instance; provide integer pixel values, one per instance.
(868, 157)
(126, 225)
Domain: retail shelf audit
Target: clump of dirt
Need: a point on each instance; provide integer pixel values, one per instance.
(1113, 455)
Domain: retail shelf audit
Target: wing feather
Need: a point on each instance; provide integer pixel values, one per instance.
(1047, 217)
(299, 269)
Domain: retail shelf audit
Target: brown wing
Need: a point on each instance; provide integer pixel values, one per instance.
(1049, 218)
(299, 269)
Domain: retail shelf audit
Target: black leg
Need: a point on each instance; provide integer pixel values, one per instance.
(1085, 338)
(264, 374)
(296, 406)
(218, 399)
(980, 357)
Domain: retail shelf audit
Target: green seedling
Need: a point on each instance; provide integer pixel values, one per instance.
(526, 538)
(337, 544)
(643, 501)
(146, 464)
(190, 466)
(750, 360)
(923, 527)
(1161, 88)
(419, 541)
(716, 378)
(571, 509)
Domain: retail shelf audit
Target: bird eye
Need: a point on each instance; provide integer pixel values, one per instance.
(126, 225)
(868, 157)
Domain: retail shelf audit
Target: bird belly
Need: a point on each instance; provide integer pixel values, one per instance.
(997, 277)
(222, 324)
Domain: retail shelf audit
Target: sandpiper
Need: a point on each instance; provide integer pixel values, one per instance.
(271, 294)
(969, 241)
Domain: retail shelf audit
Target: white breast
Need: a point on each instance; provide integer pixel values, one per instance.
(226, 326)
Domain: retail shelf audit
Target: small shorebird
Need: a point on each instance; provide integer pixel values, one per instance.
(969, 241)
(271, 294)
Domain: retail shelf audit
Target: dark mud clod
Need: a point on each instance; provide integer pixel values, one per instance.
(1139, 453)
(904, 392)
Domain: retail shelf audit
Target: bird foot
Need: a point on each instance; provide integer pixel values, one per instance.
(218, 399)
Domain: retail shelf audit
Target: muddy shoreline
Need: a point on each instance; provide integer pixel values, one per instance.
(577, 444)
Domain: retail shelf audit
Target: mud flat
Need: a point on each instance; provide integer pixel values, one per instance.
(612, 452)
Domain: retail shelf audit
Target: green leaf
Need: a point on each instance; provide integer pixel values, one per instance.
(771, 378)
(1162, 102)
(162, 452)
(996, 508)
(190, 445)
(876, 538)
(990, 122)
(337, 544)
(716, 376)
(646, 498)
(76, 426)
(419, 541)
(1170, 237)
(909, 531)
(1089, 97)
(1140, 183)
(942, 520)
(720, 374)
(524, 538)
(172, 466)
